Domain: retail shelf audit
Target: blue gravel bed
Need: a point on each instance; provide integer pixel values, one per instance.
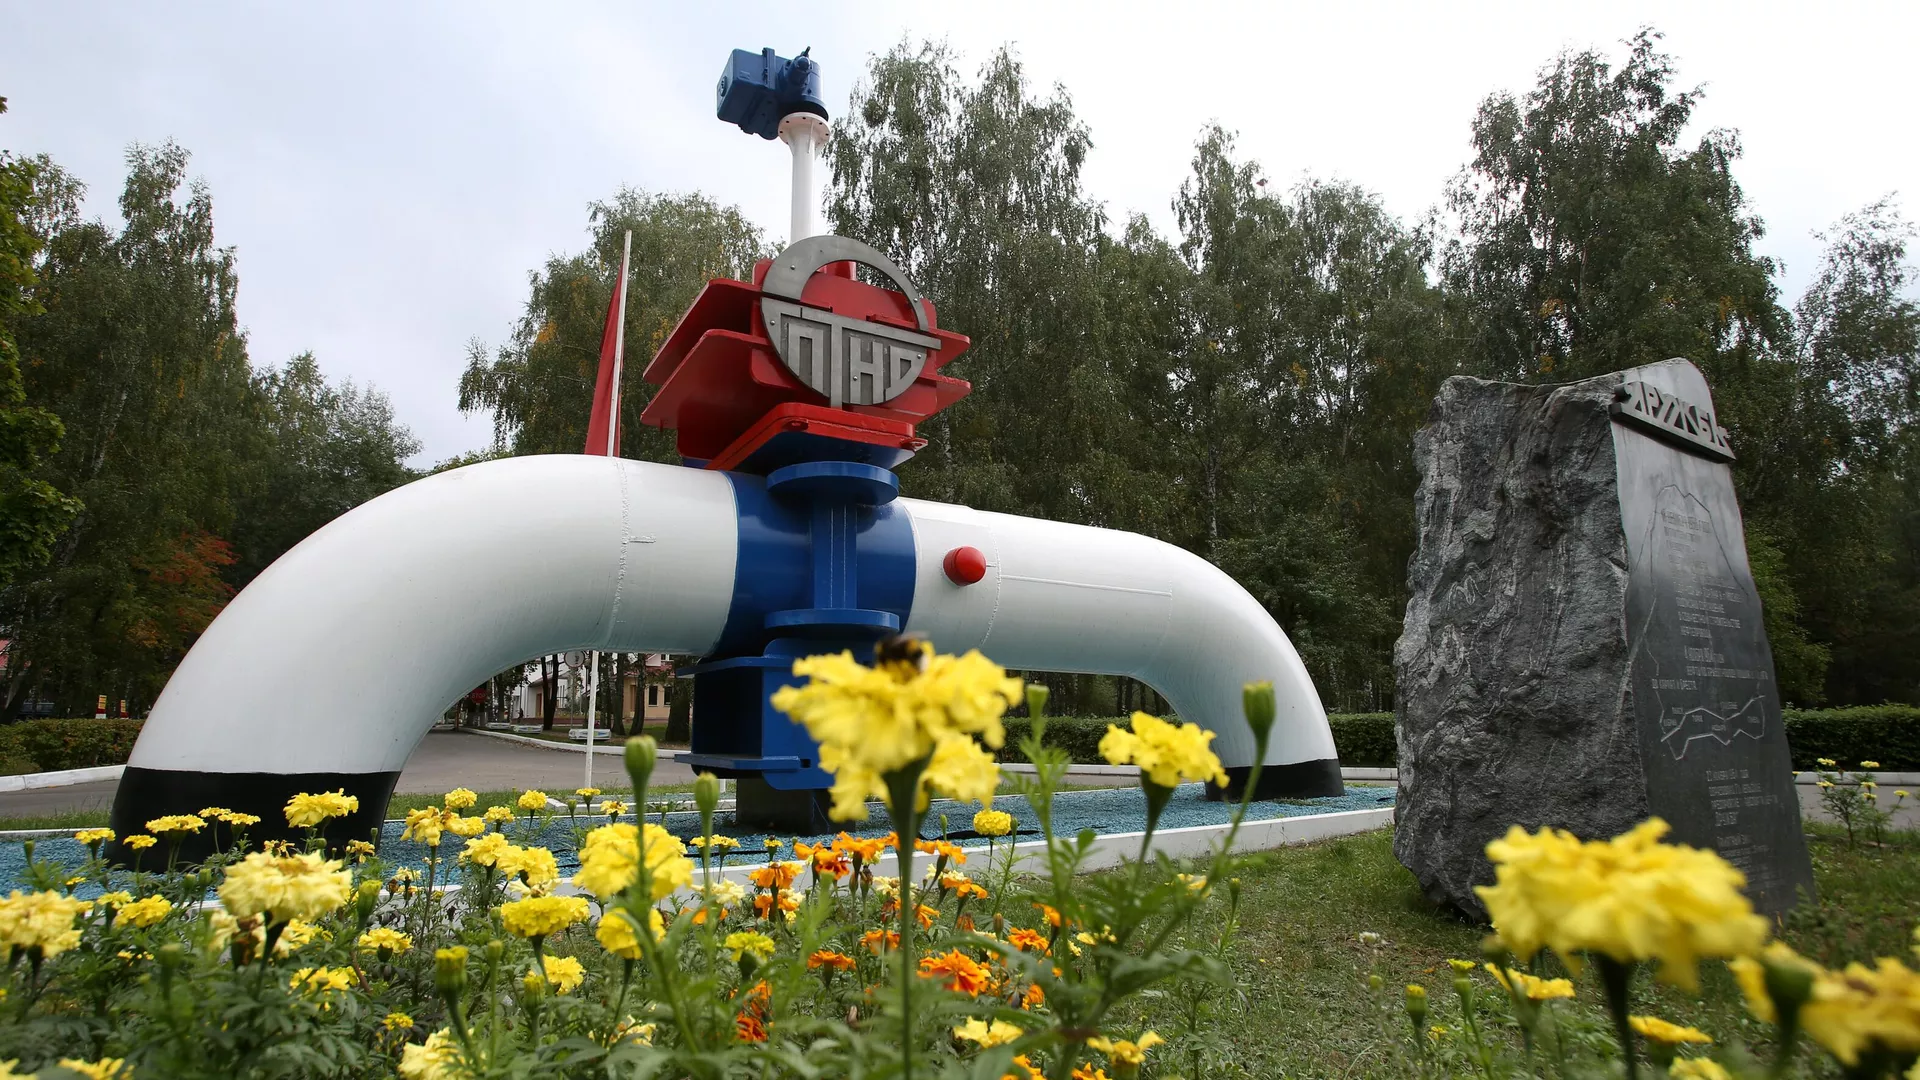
(1107, 810)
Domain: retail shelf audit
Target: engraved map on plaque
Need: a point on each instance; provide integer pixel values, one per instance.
(1708, 710)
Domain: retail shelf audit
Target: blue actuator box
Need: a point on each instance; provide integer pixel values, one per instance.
(756, 89)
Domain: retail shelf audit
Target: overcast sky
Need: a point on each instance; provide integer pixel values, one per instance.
(390, 173)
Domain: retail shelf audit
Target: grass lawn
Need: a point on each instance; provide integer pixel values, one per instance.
(1306, 1009)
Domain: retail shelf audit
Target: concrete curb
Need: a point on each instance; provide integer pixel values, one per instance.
(663, 754)
(63, 778)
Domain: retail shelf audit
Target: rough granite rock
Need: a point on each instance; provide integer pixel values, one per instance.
(1514, 703)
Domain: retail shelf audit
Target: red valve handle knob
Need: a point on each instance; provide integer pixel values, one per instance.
(965, 565)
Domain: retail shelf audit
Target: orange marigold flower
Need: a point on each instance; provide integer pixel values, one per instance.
(1028, 940)
(864, 848)
(1023, 1070)
(1089, 1072)
(748, 1027)
(940, 847)
(958, 971)
(926, 915)
(1052, 916)
(775, 875)
(880, 940)
(827, 958)
(1034, 997)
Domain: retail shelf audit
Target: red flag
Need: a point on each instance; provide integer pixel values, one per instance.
(603, 425)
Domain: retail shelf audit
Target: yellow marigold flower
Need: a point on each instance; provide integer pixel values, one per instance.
(1826, 761)
(746, 942)
(397, 1021)
(104, 1069)
(532, 800)
(439, 1059)
(1661, 1031)
(535, 866)
(1698, 1069)
(1870, 765)
(114, 899)
(616, 932)
(140, 841)
(1531, 987)
(319, 980)
(359, 849)
(91, 837)
(873, 721)
(610, 861)
(720, 843)
(773, 845)
(1167, 755)
(986, 1034)
(1460, 967)
(175, 823)
(612, 807)
(305, 811)
(563, 972)
(1630, 898)
(41, 921)
(487, 850)
(587, 792)
(459, 799)
(215, 813)
(540, 916)
(497, 815)
(960, 769)
(1864, 1009)
(145, 911)
(387, 938)
(285, 886)
(241, 821)
(423, 826)
(1123, 1054)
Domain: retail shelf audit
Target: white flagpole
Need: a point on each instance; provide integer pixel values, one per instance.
(613, 450)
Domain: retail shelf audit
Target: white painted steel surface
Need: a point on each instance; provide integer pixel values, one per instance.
(1060, 597)
(341, 654)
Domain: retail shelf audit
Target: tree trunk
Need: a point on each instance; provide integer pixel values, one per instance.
(680, 713)
(549, 689)
(617, 716)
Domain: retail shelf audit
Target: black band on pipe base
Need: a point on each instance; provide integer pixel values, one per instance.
(146, 794)
(1299, 780)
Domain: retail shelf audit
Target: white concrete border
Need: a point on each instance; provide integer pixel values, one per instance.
(62, 778)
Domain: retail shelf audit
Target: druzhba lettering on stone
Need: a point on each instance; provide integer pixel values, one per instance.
(1668, 416)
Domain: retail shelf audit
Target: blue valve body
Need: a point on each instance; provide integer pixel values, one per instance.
(757, 89)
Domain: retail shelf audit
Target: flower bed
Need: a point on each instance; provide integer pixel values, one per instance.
(491, 959)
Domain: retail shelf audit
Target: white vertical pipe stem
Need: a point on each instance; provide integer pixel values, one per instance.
(804, 134)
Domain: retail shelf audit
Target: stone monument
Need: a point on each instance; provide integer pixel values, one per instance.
(1583, 645)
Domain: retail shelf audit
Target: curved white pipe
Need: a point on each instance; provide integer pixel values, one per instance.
(340, 656)
(329, 668)
(1060, 597)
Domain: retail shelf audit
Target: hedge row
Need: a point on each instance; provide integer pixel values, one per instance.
(1888, 734)
(51, 745)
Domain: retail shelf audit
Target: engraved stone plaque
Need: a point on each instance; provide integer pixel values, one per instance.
(1711, 738)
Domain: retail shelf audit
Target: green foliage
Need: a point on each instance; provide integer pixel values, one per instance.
(1364, 740)
(32, 511)
(195, 470)
(1888, 734)
(539, 385)
(51, 745)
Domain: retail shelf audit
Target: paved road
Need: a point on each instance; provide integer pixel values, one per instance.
(444, 760)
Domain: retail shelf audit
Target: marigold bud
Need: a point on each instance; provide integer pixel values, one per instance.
(1036, 700)
(450, 971)
(1257, 699)
(170, 955)
(706, 792)
(535, 986)
(642, 753)
(1417, 1002)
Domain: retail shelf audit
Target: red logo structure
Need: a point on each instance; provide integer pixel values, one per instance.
(737, 404)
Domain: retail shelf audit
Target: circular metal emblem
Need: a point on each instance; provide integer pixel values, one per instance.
(850, 361)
